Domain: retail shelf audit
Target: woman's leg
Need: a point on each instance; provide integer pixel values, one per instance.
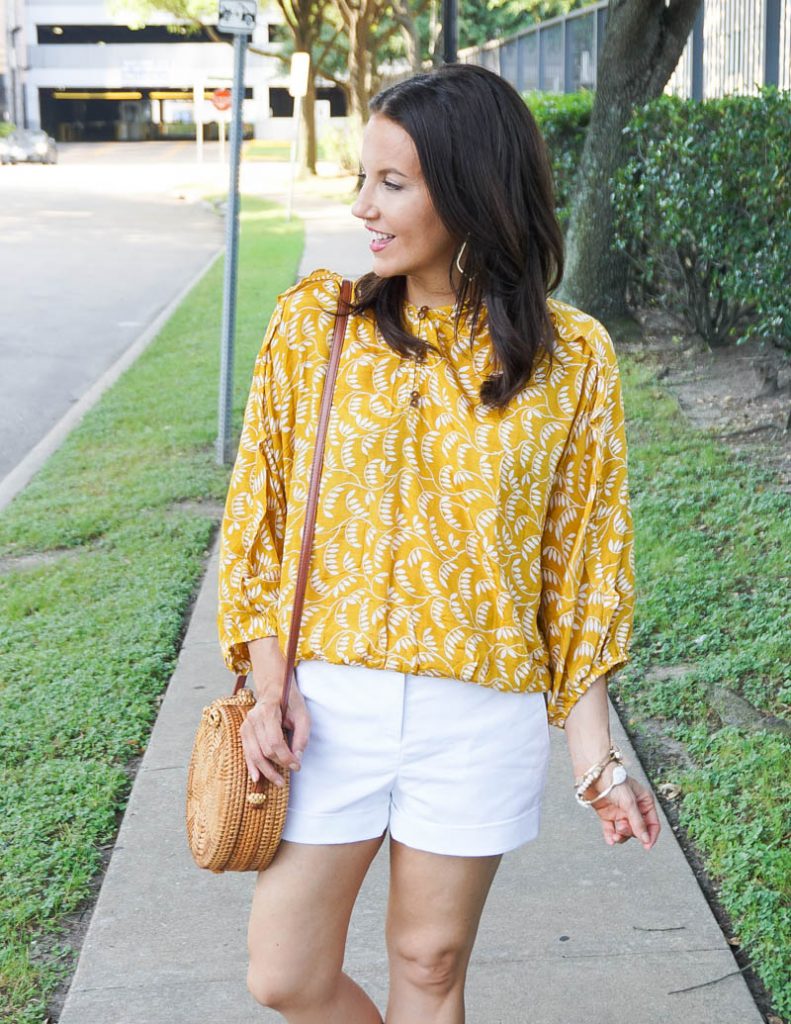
(297, 933)
(432, 920)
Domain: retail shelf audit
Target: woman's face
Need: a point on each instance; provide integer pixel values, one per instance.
(407, 236)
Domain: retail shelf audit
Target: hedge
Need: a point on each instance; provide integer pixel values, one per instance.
(703, 213)
(563, 120)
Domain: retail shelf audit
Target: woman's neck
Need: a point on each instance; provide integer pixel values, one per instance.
(431, 294)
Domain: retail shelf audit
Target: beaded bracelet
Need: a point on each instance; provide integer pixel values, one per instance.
(595, 772)
(618, 776)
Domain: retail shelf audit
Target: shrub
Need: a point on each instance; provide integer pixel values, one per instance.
(703, 213)
(563, 120)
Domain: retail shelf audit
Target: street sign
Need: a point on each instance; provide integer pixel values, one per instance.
(300, 66)
(221, 98)
(237, 16)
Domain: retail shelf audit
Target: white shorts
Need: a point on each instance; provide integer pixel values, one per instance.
(450, 767)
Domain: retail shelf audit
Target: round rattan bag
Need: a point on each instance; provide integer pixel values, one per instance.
(233, 823)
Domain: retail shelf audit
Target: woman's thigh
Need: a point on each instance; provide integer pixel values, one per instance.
(301, 909)
(434, 909)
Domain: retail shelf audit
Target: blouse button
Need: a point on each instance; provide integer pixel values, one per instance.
(414, 398)
(422, 312)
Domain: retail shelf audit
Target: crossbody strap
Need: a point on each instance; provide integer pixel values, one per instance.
(313, 493)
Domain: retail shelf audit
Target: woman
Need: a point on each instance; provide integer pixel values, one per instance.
(471, 575)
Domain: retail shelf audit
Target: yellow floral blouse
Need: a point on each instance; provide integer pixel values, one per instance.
(493, 546)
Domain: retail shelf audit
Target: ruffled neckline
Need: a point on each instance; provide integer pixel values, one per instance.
(449, 311)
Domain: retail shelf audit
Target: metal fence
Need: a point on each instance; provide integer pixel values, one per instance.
(735, 47)
(559, 55)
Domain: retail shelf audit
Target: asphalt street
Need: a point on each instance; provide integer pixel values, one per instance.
(91, 250)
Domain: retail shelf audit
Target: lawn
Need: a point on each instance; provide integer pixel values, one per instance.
(711, 642)
(101, 556)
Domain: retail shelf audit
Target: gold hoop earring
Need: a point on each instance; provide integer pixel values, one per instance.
(459, 256)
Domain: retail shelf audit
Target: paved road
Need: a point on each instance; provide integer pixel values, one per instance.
(90, 251)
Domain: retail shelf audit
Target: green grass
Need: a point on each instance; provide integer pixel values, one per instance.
(713, 551)
(266, 149)
(89, 639)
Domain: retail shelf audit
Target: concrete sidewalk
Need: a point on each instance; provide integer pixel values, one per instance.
(574, 931)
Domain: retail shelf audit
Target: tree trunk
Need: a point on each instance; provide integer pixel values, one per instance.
(642, 45)
(403, 16)
(358, 27)
(304, 20)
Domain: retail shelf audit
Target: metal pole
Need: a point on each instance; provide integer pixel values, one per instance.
(294, 153)
(224, 453)
(450, 31)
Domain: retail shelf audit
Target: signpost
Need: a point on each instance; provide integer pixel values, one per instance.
(298, 88)
(237, 17)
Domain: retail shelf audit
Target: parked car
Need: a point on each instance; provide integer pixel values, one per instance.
(5, 150)
(32, 146)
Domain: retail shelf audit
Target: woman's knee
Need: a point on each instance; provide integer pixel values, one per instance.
(429, 964)
(289, 989)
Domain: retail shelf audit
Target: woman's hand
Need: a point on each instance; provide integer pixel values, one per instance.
(262, 732)
(627, 811)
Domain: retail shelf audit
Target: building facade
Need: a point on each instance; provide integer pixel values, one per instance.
(83, 74)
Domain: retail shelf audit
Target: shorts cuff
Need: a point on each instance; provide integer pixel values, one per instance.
(331, 829)
(465, 841)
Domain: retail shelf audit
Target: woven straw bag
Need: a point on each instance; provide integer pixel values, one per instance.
(233, 823)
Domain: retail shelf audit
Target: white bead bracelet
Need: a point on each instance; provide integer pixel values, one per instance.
(619, 775)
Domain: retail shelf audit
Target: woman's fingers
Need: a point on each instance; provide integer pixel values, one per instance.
(299, 721)
(608, 828)
(650, 816)
(263, 742)
(639, 813)
(636, 823)
(629, 811)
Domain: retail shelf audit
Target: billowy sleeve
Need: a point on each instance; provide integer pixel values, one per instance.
(253, 526)
(587, 559)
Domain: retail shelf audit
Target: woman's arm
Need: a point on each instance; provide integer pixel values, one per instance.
(628, 810)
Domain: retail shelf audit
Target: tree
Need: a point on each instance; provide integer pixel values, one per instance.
(307, 24)
(642, 45)
(370, 26)
(306, 20)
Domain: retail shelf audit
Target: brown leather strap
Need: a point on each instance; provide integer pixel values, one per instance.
(313, 493)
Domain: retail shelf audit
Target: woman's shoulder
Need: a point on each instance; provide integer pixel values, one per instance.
(580, 334)
(317, 291)
(301, 325)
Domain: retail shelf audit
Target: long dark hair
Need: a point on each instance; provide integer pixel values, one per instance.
(487, 171)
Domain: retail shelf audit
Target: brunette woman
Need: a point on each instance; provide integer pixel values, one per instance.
(472, 576)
